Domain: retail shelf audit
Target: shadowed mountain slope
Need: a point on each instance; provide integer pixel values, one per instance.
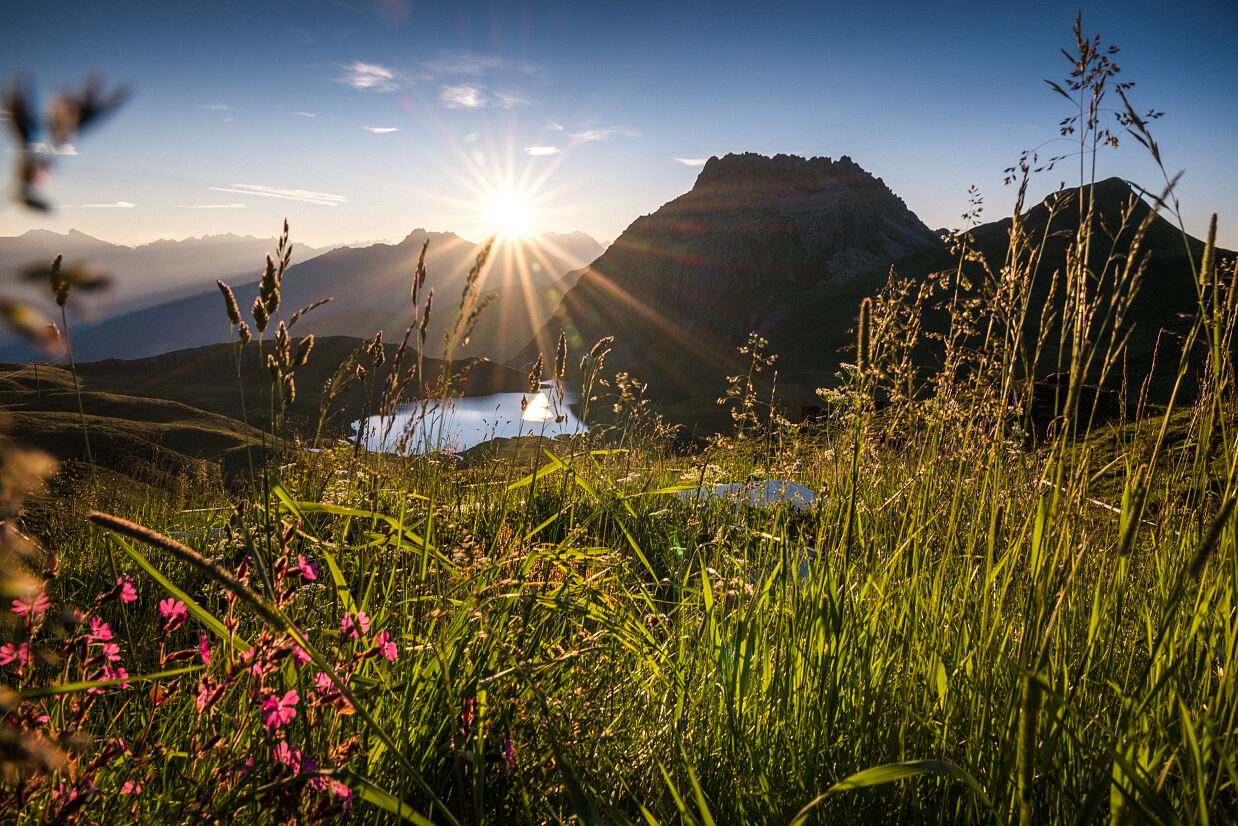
(789, 248)
(680, 289)
(1161, 311)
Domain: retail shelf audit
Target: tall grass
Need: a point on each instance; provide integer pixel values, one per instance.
(969, 626)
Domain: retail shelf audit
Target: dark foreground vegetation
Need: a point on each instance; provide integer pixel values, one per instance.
(989, 613)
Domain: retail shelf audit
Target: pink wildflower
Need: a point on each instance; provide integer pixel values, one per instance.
(340, 790)
(208, 695)
(127, 592)
(115, 673)
(323, 682)
(204, 651)
(288, 756)
(298, 654)
(170, 609)
(129, 787)
(250, 656)
(280, 710)
(308, 569)
(318, 783)
(100, 631)
(109, 672)
(15, 653)
(112, 651)
(349, 627)
(383, 641)
(37, 604)
(509, 752)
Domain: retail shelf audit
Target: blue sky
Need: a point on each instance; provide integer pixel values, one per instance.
(364, 120)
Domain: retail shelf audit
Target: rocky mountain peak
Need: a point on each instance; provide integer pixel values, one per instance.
(796, 185)
(731, 256)
(778, 173)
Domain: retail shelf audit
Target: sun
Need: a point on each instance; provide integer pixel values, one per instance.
(509, 214)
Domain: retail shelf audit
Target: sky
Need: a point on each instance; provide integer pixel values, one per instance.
(361, 121)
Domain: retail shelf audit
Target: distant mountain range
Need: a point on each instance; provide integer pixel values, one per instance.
(143, 275)
(369, 287)
(785, 247)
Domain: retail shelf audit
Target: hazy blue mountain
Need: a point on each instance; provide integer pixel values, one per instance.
(370, 291)
(141, 276)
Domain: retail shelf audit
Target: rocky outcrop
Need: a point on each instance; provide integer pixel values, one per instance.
(682, 287)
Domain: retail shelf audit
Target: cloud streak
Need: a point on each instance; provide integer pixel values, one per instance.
(603, 134)
(369, 77)
(212, 206)
(691, 161)
(381, 130)
(216, 107)
(117, 205)
(537, 151)
(302, 195)
(476, 96)
(305, 114)
(462, 97)
(465, 64)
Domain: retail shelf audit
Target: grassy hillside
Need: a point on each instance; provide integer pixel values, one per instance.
(173, 410)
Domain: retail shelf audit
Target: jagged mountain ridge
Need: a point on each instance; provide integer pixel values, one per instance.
(681, 287)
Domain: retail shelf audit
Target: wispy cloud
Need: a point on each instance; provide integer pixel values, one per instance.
(117, 205)
(476, 96)
(462, 97)
(691, 161)
(369, 76)
(212, 206)
(381, 130)
(542, 150)
(465, 64)
(305, 114)
(216, 107)
(506, 100)
(603, 134)
(53, 148)
(302, 195)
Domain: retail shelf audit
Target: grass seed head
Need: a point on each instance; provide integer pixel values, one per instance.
(1208, 542)
(560, 357)
(535, 376)
(234, 312)
(261, 317)
(864, 335)
(303, 351)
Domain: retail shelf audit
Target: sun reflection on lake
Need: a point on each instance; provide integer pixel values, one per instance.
(423, 427)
